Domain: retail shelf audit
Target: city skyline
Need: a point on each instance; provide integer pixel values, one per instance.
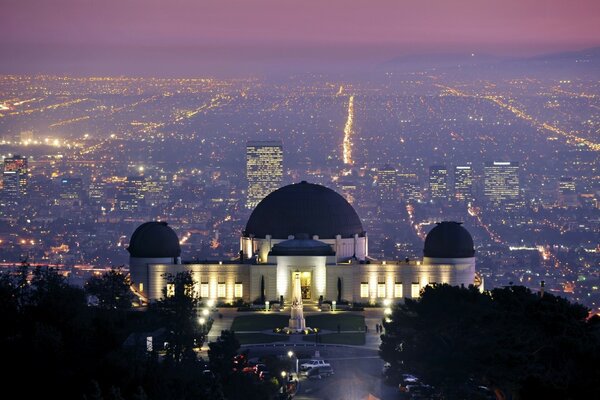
(280, 199)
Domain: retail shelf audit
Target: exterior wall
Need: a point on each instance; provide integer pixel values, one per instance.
(138, 271)
(269, 271)
(399, 280)
(213, 274)
(410, 276)
(345, 248)
(346, 273)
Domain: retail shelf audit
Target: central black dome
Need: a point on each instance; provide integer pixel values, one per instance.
(448, 239)
(303, 207)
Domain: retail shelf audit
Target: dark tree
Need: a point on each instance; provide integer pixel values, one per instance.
(221, 353)
(516, 342)
(112, 290)
(178, 311)
(262, 289)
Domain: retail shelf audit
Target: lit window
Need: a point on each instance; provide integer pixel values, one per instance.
(204, 290)
(415, 290)
(364, 289)
(141, 287)
(221, 290)
(381, 290)
(170, 289)
(398, 289)
(238, 290)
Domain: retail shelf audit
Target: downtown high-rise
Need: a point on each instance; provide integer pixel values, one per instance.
(14, 177)
(264, 169)
(438, 183)
(387, 183)
(501, 185)
(463, 183)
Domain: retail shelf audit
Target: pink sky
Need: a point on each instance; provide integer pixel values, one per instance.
(263, 29)
(430, 23)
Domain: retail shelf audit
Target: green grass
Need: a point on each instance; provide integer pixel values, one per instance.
(347, 322)
(356, 339)
(252, 338)
(259, 322)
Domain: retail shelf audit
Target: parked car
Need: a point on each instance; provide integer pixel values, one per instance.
(319, 372)
(264, 375)
(313, 363)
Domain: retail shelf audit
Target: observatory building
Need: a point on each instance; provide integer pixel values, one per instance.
(304, 228)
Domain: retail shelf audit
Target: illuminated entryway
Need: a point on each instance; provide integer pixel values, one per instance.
(305, 285)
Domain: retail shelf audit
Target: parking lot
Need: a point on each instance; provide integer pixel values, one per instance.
(357, 373)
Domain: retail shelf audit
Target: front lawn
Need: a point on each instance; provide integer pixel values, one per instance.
(330, 321)
(259, 322)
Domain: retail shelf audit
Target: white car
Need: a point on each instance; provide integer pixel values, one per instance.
(313, 363)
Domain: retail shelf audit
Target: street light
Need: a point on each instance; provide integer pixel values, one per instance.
(210, 303)
(267, 305)
(201, 320)
(205, 312)
(283, 374)
(290, 355)
(333, 303)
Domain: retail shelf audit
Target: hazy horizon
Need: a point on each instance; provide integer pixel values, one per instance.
(186, 37)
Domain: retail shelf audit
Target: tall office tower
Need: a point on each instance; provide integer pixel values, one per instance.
(131, 196)
(70, 191)
(438, 182)
(410, 188)
(264, 169)
(501, 185)
(567, 195)
(463, 182)
(96, 192)
(388, 183)
(14, 177)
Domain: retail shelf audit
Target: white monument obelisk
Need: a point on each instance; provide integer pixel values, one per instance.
(297, 322)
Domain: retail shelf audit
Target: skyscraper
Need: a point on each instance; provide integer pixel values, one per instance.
(387, 183)
(438, 182)
(70, 191)
(14, 177)
(567, 195)
(264, 169)
(463, 182)
(501, 185)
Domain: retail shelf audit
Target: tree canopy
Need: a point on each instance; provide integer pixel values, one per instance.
(112, 289)
(518, 343)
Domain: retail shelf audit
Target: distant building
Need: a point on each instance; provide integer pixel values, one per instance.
(463, 183)
(348, 190)
(501, 185)
(438, 182)
(70, 191)
(264, 169)
(567, 195)
(410, 187)
(97, 192)
(15, 177)
(387, 183)
(130, 197)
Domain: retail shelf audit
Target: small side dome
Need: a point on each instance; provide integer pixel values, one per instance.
(154, 240)
(449, 240)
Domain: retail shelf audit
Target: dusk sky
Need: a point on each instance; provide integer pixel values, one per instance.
(43, 32)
